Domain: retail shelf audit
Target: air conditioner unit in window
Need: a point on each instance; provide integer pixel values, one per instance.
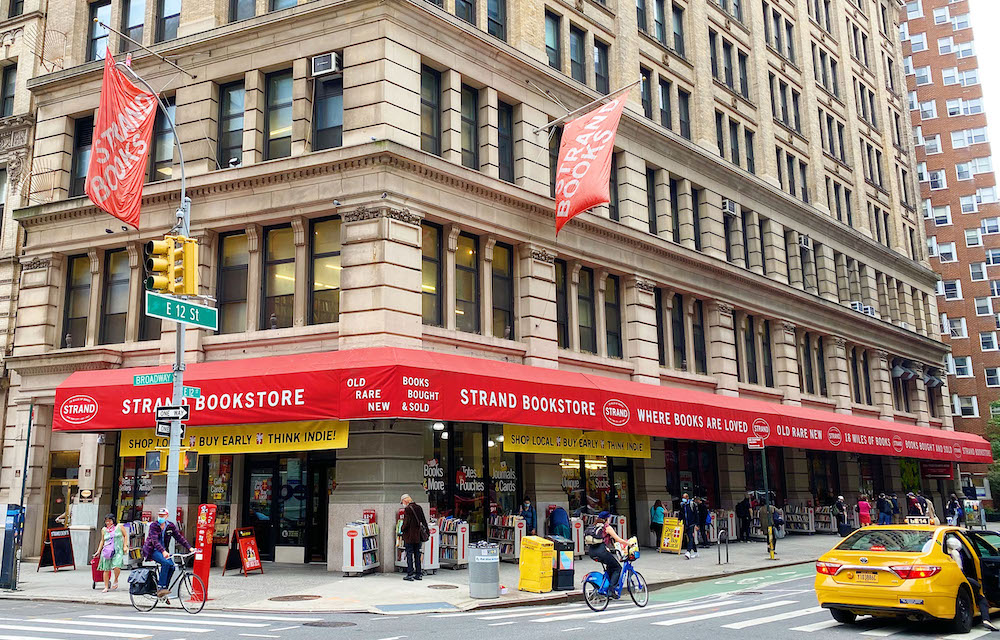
(728, 207)
(857, 305)
(805, 242)
(324, 64)
(869, 311)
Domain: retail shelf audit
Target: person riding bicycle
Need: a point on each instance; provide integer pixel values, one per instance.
(155, 548)
(603, 551)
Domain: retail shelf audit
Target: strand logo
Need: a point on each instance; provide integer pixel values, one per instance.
(616, 412)
(78, 409)
(834, 436)
(761, 428)
(897, 443)
(956, 448)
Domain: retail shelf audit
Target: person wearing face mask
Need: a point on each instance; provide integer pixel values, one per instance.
(157, 542)
(528, 513)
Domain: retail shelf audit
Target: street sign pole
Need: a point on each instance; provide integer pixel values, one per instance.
(174, 455)
(767, 504)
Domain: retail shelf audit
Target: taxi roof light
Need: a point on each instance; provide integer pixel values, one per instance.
(827, 568)
(911, 572)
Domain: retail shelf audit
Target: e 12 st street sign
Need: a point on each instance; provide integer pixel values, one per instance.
(170, 308)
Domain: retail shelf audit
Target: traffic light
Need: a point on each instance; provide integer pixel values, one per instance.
(189, 278)
(160, 269)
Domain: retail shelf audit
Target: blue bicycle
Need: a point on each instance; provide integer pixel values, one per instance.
(596, 591)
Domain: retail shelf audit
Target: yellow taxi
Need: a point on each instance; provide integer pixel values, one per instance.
(906, 571)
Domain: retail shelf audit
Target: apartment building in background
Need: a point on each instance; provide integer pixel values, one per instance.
(368, 184)
(958, 198)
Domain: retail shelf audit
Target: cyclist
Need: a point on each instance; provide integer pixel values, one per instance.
(161, 531)
(603, 552)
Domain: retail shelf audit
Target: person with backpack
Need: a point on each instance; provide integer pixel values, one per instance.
(744, 516)
(950, 510)
(884, 508)
(840, 511)
(689, 516)
(415, 533)
(600, 538)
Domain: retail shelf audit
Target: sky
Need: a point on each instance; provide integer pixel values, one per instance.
(986, 13)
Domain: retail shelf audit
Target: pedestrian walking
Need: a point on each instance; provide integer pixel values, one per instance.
(704, 519)
(415, 534)
(913, 505)
(743, 514)
(864, 511)
(689, 516)
(931, 513)
(956, 550)
(950, 510)
(113, 551)
(656, 513)
(895, 506)
(923, 502)
(840, 511)
(530, 518)
(770, 520)
(884, 507)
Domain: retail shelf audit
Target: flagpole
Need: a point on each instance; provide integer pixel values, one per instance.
(584, 108)
(145, 48)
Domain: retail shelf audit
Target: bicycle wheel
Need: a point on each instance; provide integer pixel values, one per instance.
(189, 585)
(637, 589)
(596, 600)
(143, 603)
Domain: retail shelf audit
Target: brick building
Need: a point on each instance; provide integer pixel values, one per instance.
(959, 199)
(370, 192)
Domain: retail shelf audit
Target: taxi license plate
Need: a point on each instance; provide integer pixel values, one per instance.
(866, 576)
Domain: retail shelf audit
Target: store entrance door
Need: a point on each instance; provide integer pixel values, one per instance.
(277, 505)
(259, 511)
(322, 481)
(624, 497)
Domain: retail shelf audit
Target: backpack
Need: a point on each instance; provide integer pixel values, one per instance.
(594, 535)
(142, 582)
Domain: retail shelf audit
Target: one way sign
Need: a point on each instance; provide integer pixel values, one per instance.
(173, 412)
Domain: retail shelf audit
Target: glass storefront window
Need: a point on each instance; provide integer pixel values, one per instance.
(469, 474)
(503, 473)
(692, 467)
(435, 472)
(872, 476)
(218, 491)
(598, 483)
(571, 483)
(292, 501)
(824, 477)
(775, 472)
(134, 484)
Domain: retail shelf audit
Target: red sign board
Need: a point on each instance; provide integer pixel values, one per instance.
(369, 516)
(755, 443)
(203, 540)
(249, 555)
(943, 470)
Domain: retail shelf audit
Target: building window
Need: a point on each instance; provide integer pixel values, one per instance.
(678, 23)
(966, 406)
(505, 139)
(277, 5)
(241, 9)
(231, 124)
(431, 281)
(467, 283)
(149, 327)
(585, 311)
(698, 338)
(161, 153)
(83, 138)
(988, 340)
(325, 247)
(613, 316)
(234, 264)
(430, 110)
(97, 40)
(554, 141)
(466, 10)
(684, 114)
(601, 73)
(496, 18)
(170, 17)
(640, 15)
(552, 46)
(613, 188)
(279, 278)
(751, 163)
(77, 301)
(984, 306)
(328, 119)
(659, 21)
(503, 291)
(562, 306)
(470, 127)
(651, 199)
(750, 349)
(116, 279)
(666, 117)
(646, 91)
(278, 121)
(993, 376)
(577, 62)
(678, 331)
(16, 8)
(7, 90)
(133, 19)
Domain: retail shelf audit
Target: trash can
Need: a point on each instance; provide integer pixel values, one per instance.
(484, 570)
(562, 563)
(535, 565)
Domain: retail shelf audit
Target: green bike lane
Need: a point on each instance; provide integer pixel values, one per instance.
(752, 580)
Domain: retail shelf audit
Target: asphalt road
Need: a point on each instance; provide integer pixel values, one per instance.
(771, 604)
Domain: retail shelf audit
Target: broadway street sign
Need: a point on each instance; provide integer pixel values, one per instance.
(146, 379)
(170, 308)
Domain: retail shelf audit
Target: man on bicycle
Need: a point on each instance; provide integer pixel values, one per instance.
(603, 552)
(155, 548)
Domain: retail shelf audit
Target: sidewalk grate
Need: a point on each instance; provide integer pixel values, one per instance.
(293, 598)
(442, 586)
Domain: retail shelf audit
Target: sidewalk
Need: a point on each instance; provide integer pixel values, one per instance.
(291, 588)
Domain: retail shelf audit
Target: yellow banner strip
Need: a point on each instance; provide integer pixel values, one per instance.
(522, 439)
(313, 435)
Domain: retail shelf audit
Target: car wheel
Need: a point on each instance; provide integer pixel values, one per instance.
(962, 622)
(843, 616)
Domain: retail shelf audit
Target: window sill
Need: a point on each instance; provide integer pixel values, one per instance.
(734, 93)
(271, 337)
(678, 375)
(818, 401)
(838, 161)
(591, 361)
(760, 391)
(791, 130)
(667, 50)
(453, 338)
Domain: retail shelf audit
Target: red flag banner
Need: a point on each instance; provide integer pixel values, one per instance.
(122, 132)
(585, 161)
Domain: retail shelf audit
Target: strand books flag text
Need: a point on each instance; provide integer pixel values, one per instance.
(122, 131)
(585, 156)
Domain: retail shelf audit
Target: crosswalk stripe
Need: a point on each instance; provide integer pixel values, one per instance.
(26, 638)
(522, 614)
(75, 632)
(587, 613)
(645, 613)
(743, 624)
(817, 626)
(144, 627)
(160, 618)
(883, 632)
(972, 635)
(466, 614)
(724, 612)
(237, 616)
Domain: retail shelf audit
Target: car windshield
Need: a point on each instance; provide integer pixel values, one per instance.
(895, 540)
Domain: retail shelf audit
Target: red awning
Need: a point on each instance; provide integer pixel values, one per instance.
(402, 383)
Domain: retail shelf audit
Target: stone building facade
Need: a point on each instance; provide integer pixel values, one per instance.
(763, 239)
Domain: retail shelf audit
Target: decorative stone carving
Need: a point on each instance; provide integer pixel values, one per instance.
(299, 231)
(645, 285)
(362, 213)
(839, 342)
(37, 263)
(541, 255)
(372, 213)
(883, 356)
(725, 309)
(403, 215)
(788, 328)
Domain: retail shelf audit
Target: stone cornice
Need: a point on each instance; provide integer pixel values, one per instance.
(65, 361)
